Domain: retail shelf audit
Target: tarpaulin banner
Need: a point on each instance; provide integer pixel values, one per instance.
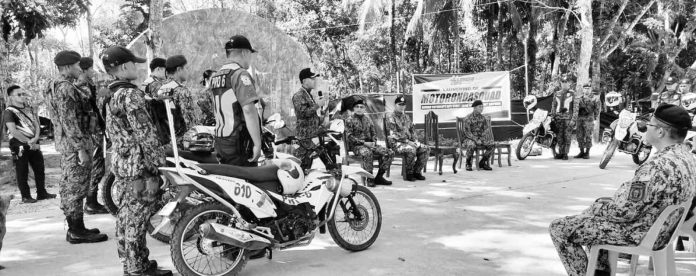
(451, 95)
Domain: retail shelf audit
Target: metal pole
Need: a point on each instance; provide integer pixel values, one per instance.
(526, 73)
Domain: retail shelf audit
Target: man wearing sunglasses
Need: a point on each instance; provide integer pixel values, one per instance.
(668, 178)
(310, 114)
(361, 140)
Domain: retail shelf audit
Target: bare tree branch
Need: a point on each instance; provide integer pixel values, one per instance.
(613, 24)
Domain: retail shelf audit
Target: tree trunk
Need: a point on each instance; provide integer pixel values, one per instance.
(499, 62)
(392, 34)
(558, 41)
(154, 45)
(455, 33)
(586, 39)
(90, 32)
(489, 44)
(532, 46)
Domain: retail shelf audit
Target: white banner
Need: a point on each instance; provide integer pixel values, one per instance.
(450, 96)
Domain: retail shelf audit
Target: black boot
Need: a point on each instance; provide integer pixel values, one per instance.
(81, 227)
(564, 154)
(409, 177)
(581, 154)
(92, 206)
(483, 164)
(151, 272)
(379, 179)
(587, 154)
(468, 164)
(77, 235)
(418, 176)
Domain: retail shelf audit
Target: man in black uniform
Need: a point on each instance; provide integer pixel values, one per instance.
(238, 126)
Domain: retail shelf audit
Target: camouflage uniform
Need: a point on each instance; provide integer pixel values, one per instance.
(309, 125)
(561, 111)
(666, 97)
(669, 178)
(136, 154)
(585, 111)
(152, 84)
(401, 132)
(205, 103)
(74, 122)
(476, 135)
(359, 129)
(4, 204)
(89, 91)
(182, 100)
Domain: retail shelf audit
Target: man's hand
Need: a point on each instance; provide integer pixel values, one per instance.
(256, 154)
(34, 146)
(83, 158)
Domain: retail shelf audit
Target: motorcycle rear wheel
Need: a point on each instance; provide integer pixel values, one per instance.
(344, 221)
(527, 140)
(108, 193)
(608, 153)
(187, 240)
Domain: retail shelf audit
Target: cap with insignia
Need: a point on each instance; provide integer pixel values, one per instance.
(308, 73)
(685, 81)
(670, 81)
(157, 63)
(673, 115)
(117, 55)
(239, 42)
(476, 103)
(400, 100)
(86, 63)
(64, 58)
(175, 61)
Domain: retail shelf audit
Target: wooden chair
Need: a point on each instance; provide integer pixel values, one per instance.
(478, 152)
(390, 146)
(432, 134)
(347, 157)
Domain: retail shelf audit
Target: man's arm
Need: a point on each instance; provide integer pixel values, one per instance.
(598, 108)
(576, 107)
(251, 116)
(304, 107)
(350, 133)
(245, 90)
(633, 198)
(12, 129)
(67, 103)
(554, 104)
(185, 102)
(144, 131)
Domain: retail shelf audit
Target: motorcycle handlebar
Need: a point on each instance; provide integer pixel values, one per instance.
(290, 139)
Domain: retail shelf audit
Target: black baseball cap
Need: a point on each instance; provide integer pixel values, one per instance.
(117, 55)
(400, 100)
(239, 42)
(307, 73)
(673, 115)
(671, 80)
(157, 63)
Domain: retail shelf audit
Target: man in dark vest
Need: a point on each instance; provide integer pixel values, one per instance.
(562, 111)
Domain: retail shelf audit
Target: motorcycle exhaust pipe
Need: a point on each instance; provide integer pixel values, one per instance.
(233, 236)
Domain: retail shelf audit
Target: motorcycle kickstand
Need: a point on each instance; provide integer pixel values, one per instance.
(270, 253)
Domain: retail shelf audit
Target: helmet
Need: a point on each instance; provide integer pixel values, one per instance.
(688, 101)
(290, 174)
(613, 99)
(529, 102)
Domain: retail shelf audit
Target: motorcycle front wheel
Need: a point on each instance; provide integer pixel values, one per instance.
(525, 146)
(193, 254)
(608, 153)
(357, 220)
(109, 193)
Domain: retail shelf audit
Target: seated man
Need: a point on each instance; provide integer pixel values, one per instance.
(361, 141)
(475, 137)
(403, 140)
(668, 178)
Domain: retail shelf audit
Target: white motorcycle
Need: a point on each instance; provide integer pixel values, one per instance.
(538, 130)
(628, 136)
(215, 237)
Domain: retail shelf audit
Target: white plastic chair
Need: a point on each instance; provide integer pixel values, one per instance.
(687, 229)
(663, 259)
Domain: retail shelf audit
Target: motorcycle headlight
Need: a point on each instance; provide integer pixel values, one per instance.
(331, 184)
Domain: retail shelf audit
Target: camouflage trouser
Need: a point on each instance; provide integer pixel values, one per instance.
(74, 184)
(570, 234)
(131, 226)
(367, 155)
(4, 204)
(415, 159)
(98, 165)
(470, 146)
(584, 134)
(564, 135)
(304, 153)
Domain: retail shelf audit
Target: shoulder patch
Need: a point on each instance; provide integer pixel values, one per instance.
(637, 192)
(245, 80)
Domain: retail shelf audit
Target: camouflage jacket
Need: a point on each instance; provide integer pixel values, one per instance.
(136, 150)
(181, 97)
(205, 103)
(668, 178)
(89, 90)
(359, 129)
(308, 121)
(562, 105)
(152, 84)
(71, 114)
(584, 107)
(477, 128)
(400, 127)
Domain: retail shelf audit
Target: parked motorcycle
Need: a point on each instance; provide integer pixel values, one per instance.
(628, 136)
(274, 206)
(537, 131)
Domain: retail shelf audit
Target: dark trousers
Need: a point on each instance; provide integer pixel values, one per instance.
(234, 151)
(23, 158)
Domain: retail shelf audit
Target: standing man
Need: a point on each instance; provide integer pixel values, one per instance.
(684, 86)
(23, 130)
(4, 204)
(361, 141)
(476, 136)
(205, 100)
(74, 123)
(184, 116)
(403, 138)
(237, 122)
(157, 76)
(561, 112)
(310, 114)
(136, 154)
(668, 178)
(667, 96)
(86, 84)
(586, 110)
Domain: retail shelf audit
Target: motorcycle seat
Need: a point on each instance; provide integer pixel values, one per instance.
(200, 157)
(262, 174)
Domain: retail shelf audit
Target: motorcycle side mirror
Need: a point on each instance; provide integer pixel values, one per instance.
(642, 125)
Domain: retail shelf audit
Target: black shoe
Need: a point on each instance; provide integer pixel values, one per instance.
(151, 266)
(587, 154)
(46, 196)
(565, 157)
(95, 208)
(151, 272)
(257, 254)
(28, 200)
(75, 237)
(80, 226)
(580, 155)
(468, 164)
(379, 180)
(2, 267)
(602, 273)
(484, 165)
(418, 176)
(409, 177)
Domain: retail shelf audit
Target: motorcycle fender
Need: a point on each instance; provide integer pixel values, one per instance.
(349, 170)
(620, 133)
(530, 127)
(165, 212)
(246, 194)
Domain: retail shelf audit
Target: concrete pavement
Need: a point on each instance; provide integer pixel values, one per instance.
(470, 223)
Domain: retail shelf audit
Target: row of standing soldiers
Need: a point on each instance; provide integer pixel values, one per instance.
(571, 112)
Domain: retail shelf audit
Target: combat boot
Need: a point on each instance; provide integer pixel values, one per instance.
(409, 177)
(587, 154)
(151, 265)
(379, 179)
(418, 176)
(81, 226)
(151, 272)
(76, 235)
(92, 206)
(483, 164)
(468, 164)
(581, 154)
